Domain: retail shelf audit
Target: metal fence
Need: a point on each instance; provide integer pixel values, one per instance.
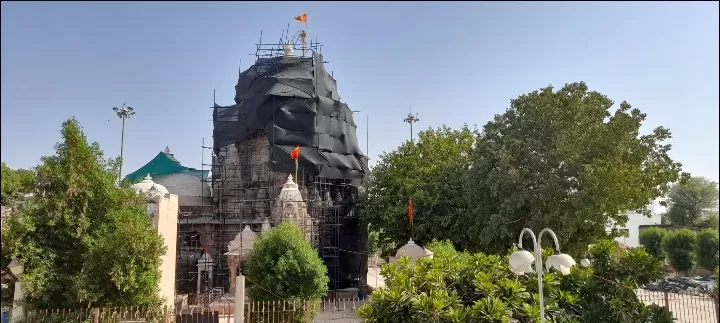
(687, 307)
(330, 310)
(97, 315)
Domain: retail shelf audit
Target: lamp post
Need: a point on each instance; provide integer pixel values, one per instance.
(123, 113)
(411, 119)
(521, 261)
(18, 311)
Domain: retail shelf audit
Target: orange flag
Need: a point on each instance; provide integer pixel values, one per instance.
(295, 153)
(301, 18)
(410, 213)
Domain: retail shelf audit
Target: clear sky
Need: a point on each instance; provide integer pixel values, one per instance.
(454, 63)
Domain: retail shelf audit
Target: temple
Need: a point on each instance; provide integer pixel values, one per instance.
(282, 101)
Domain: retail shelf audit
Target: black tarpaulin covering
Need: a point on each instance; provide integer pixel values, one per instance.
(295, 102)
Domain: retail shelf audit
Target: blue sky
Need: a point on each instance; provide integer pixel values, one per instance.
(453, 62)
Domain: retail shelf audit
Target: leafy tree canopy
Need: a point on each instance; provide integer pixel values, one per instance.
(15, 182)
(84, 241)
(283, 265)
(561, 159)
(565, 160)
(430, 172)
(693, 202)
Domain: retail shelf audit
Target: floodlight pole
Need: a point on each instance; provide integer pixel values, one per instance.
(411, 119)
(123, 113)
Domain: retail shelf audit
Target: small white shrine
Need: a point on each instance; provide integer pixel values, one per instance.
(412, 251)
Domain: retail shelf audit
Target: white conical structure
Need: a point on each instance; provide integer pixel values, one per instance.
(243, 242)
(290, 206)
(412, 251)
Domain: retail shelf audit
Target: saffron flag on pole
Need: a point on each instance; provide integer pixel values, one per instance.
(301, 18)
(410, 211)
(295, 153)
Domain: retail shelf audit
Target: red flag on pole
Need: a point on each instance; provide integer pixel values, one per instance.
(295, 153)
(410, 213)
(302, 18)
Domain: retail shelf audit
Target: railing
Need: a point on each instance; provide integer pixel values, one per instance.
(288, 311)
(98, 315)
(687, 307)
(204, 300)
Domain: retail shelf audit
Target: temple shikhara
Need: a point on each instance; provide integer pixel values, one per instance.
(286, 99)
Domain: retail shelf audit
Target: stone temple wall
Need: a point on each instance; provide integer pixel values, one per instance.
(245, 193)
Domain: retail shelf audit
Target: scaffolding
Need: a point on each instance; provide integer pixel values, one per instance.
(243, 192)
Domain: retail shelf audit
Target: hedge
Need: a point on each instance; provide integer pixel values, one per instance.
(680, 248)
(651, 239)
(708, 249)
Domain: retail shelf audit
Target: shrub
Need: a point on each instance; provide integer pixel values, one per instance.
(463, 287)
(680, 249)
(284, 266)
(651, 239)
(708, 250)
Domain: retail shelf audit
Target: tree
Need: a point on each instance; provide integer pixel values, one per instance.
(561, 159)
(651, 239)
(84, 241)
(430, 172)
(284, 266)
(16, 182)
(692, 202)
(708, 249)
(680, 246)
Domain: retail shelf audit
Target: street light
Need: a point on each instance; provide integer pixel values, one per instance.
(123, 113)
(521, 260)
(18, 312)
(411, 119)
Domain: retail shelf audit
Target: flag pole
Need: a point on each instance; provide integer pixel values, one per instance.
(412, 220)
(296, 170)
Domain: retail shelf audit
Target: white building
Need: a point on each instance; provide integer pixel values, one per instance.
(635, 220)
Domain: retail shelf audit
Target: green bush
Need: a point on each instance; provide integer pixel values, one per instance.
(708, 250)
(284, 266)
(680, 249)
(651, 239)
(463, 287)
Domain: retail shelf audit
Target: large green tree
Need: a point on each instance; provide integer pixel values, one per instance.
(16, 182)
(692, 202)
(429, 171)
(84, 241)
(564, 160)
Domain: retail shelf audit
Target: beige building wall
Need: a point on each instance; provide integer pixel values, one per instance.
(165, 222)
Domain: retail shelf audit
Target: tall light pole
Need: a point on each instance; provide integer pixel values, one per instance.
(123, 113)
(521, 261)
(411, 119)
